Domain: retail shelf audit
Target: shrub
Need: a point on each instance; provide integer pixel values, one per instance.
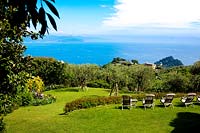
(49, 69)
(176, 82)
(35, 84)
(42, 99)
(2, 125)
(7, 104)
(90, 102)
(24, 99)
(53, 87)
(98, 84)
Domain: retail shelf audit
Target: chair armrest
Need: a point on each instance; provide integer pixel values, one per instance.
(183, 99)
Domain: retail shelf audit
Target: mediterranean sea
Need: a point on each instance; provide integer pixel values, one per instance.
(103, 52)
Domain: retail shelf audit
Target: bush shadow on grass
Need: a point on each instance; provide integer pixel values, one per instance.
(186, 122)
(68, 90)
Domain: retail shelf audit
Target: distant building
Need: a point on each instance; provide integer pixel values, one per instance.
(151, 65)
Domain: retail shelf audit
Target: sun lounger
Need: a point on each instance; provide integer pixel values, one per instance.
(148, 101)
(167, 99)
(188, 100)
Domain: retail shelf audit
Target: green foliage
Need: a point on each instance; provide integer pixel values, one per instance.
(53, 87)
(20, 13)
(176, 82)
(169, 62)
(24, 99)
(12, 65)
(35, 84)
(42, 99)
(2, 125)
(135, 61)
(7, 104)
(84, 74)
(90, 102)
(117, 60)
(50, 70)
(98, 84)
(157, 86)
(195, 83)
(143, 78)
(195, 69)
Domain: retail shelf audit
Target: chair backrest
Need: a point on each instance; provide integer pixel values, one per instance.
(126, 100)
(149, 99)
(169, 97)
(190, 97)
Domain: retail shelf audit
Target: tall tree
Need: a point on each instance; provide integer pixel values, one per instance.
(15, 22)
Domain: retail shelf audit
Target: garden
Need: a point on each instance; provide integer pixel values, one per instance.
(41, 94)
(104, 118)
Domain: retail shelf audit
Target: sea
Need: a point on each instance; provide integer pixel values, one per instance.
(101, 53)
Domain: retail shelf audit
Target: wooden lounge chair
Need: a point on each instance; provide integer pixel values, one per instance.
(148, 101)
(167, 100)
(127, 101)
(188, 100)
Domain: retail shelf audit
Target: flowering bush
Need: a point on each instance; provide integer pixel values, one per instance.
(42, 99)
(35, 84)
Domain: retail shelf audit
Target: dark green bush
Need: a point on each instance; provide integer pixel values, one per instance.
(98, 84)
(7, 104)
(90, 102)
(50, 70)
(53, 87)
(24, 99)
(2, 125)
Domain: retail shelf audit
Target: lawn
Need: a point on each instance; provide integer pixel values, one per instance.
(50, 118)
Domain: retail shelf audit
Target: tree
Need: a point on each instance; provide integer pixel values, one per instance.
(135, 62)
(19, 14)
(85, 73)
(12, 63)
(195, 69)
(143, 78)
(176, 82)
(116, 77)
(15, 18)
(50, 70)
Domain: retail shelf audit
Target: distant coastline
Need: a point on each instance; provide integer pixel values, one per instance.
(101, 53)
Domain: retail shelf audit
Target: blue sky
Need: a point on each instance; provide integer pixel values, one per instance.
(93, 17)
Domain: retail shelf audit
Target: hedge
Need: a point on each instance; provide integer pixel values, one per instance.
(84, 103)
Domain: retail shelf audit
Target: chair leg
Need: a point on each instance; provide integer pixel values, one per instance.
(172, 105)
(192, 105)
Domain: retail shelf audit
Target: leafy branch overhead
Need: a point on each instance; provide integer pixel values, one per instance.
(20, 13)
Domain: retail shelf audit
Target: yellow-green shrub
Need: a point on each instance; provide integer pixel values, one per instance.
(35, 84)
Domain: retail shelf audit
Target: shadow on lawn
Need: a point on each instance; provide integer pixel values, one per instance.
(68, 90)
(186, 122)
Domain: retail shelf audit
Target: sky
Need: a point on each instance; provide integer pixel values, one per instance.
(125, 17)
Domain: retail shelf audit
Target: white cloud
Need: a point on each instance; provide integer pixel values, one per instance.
(154, 13)
(103, 6)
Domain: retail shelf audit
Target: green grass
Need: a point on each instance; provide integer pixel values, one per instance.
(110, 118)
